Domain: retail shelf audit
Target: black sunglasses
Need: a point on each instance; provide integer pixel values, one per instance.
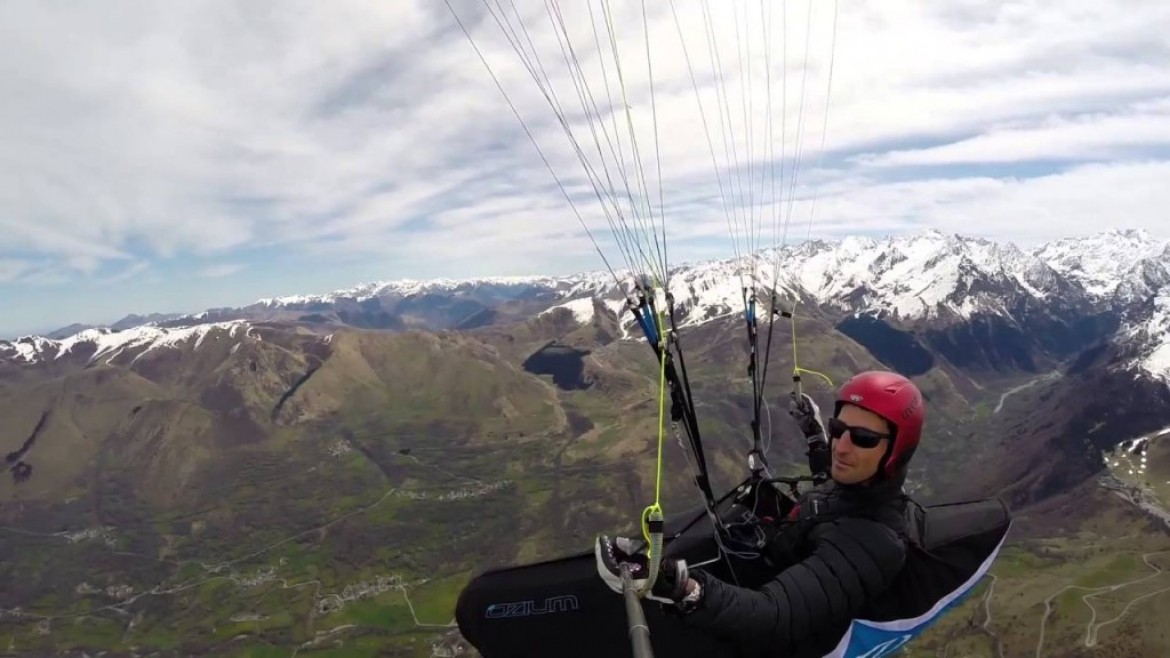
(860, 436)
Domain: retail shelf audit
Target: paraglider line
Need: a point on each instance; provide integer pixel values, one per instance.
(534, 143)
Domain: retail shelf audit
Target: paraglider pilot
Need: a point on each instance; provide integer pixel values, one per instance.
(841, 547)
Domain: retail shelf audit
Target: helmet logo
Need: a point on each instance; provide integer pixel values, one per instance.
(909, 410)
(855, 398)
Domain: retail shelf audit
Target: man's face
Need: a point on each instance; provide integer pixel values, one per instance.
(853, 464)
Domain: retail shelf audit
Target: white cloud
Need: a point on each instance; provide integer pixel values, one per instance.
(11, 269)
(127, 273)
(221, 270)
(149, 131)
(1079, 201)
(1097, 136)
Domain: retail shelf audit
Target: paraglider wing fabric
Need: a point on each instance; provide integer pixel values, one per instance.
(957, 544)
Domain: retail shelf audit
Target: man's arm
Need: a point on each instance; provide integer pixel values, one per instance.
(853, 561)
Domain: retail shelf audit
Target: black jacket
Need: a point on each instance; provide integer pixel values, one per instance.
(841, 553)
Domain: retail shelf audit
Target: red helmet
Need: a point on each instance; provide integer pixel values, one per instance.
(894, 398)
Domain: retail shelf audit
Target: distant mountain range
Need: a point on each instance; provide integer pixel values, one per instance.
(976, 302)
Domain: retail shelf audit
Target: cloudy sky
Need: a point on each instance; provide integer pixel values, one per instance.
(175, 157)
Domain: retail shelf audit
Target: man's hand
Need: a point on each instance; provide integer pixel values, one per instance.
(612, 553)
(807, 415)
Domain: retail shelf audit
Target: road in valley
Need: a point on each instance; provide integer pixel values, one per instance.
(1092, 627)
(1026, 385)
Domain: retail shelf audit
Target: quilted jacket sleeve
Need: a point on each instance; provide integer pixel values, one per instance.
(853, 560)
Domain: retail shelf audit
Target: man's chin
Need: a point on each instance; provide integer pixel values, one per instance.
(842, 474)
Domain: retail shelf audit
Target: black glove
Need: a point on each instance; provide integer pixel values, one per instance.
(807, 415)
(612, 553)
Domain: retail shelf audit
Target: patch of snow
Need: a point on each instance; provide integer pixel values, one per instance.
(711, 290)
(1158, 361)
(1152, 336)
(27, 349)
(581, 308)
(618, 307)
(177, 337)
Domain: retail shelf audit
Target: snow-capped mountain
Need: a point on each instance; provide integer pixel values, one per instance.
(1129, 264)
(106, 344)
(914, 277)
(920, 276)
(929, 280)
(503, 285)
(924, 276)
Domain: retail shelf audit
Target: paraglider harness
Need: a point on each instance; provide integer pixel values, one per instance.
(949, 548)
